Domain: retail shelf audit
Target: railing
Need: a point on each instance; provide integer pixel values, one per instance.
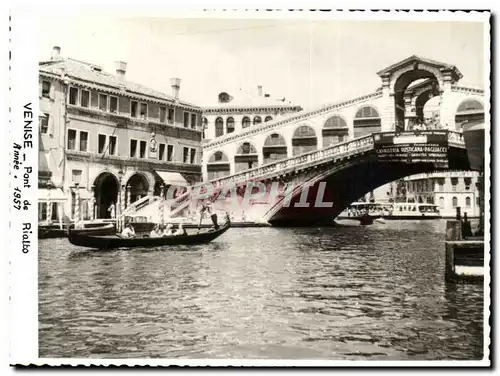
(139, 204)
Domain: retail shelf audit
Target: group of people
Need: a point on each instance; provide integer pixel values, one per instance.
(157, 232)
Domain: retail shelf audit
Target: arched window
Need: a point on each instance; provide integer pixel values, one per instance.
(246, 157)
(470, 110)
(335, 130)
(204, 122)
(218, 165)
(441, 202)
(219, 127)
(246, 148)
(304, 140)
(257, 120)
(467, 202)
(230, 125)
(366, 121)
(274, 148)
(218, 156)
(268, 118)
(454, 202)
(245, 122)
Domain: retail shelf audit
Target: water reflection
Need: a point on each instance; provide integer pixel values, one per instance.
(372, 292)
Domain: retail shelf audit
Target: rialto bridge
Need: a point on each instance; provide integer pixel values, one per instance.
(353, 146)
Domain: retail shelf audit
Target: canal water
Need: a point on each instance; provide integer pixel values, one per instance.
(374, 292)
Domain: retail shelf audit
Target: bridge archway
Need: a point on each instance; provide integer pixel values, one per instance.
(218, 165)
(304, 140)
(366, 121)
(105, 193)
(334, 130)
(139, 186)
(219, 127)
(268, 118)
(469, 110)
(245, 122)
(257, 120)
(246, 157)
(230, 125)
(274, 148)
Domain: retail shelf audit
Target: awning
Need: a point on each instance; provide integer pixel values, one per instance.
(172, 178)
(54, 194)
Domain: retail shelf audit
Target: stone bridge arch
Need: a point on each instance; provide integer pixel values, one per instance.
(334, 130)
(367, 120)
(246, 156)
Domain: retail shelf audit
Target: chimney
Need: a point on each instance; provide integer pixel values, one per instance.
(56, 53)
(175, 83)
(121, 68)
(259, 90)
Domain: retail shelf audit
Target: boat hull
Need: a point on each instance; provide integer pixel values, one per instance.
(90, 239)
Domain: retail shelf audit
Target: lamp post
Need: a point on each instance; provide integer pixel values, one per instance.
(128, 195)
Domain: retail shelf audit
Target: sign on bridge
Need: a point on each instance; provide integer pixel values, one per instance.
(413, 147)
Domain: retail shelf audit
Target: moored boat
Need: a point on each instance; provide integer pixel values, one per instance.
(106, 238)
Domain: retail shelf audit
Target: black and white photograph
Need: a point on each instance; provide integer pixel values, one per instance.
(268, 188)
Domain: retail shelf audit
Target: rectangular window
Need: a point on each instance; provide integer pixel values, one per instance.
(84, 137)
(133, 148)
(171, 114)
(193, 156)
(55, 211)
(42, 211)
(71, 139)
(170, 153)
(101, 143)
(163, 114)
(186, 119)
(142, 149)
(112, 145)
(193, 121)
(44, 124)
(113, 104)
(76, 176)
(46, 89)
(133, 108)
(103, 102)
(161, 152)
(73, 95)
(144, 110)
(85, 98)
(185, 155)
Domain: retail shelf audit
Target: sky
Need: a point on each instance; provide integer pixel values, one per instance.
(309, 62)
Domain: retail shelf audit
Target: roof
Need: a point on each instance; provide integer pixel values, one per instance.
(418, 59)
(245, 99)
(94, 74)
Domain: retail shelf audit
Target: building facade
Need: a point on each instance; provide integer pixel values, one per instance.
(448, 190)
(106, 142)
(243, 110)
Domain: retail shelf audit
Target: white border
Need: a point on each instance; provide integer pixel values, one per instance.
(23, 292)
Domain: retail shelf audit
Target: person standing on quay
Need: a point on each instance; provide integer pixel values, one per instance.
(112, 210)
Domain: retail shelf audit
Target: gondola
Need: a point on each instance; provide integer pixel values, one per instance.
(110, 240)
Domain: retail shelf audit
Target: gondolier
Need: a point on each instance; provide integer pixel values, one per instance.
(205, 209)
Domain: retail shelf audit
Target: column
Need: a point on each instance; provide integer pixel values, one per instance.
(387, 106)
(128, 196)
(92, 203)
(122, 200)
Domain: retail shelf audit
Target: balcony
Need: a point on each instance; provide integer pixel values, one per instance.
(143, 163)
